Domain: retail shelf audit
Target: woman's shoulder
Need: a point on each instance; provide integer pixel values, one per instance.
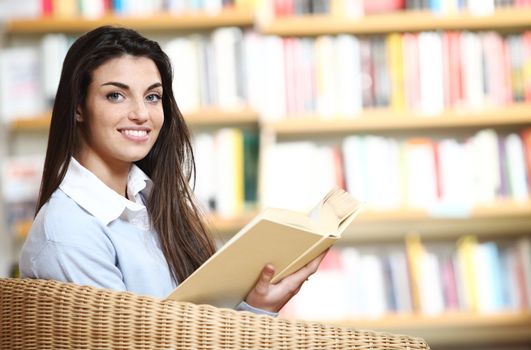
(64, 210)
(62, 219)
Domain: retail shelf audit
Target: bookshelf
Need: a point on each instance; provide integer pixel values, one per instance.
(502, 218)
(406, 21)
(389, 120)
(192, 21)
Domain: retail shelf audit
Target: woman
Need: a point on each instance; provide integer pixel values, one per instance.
(115, 209)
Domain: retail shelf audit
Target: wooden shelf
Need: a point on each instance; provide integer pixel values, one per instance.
(216, 117)
(406, 21)
(33, 123)
(454, 329)
(160, 22)
(203, 118)
(501, 219)
(388, 120)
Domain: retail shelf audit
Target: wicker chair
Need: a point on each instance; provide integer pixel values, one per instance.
(39, 314)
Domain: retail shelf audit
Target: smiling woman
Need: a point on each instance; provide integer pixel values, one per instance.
(116, 173)
(115, 208)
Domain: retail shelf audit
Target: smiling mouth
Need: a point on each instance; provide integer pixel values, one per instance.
(135, 133)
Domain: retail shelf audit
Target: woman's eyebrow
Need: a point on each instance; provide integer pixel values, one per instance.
(152, 86)
(117, 84)
(126, 87)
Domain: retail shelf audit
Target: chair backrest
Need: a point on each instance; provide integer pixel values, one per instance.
(39, 314)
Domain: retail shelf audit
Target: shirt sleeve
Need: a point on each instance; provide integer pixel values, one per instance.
(243, 306)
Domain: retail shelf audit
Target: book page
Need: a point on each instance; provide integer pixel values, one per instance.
(333, 210)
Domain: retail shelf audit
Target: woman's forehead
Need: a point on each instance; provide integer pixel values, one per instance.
(128, 69)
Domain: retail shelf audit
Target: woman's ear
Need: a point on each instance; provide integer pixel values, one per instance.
(79, 117)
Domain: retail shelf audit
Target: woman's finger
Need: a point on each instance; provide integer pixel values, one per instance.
(262, 286)
(296, 279)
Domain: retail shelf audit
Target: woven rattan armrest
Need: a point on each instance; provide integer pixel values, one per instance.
(39, 314)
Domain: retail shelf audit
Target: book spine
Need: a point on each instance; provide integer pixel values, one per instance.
(250, 163)
(516, 168)
(367, 73)
(396, 69)
(415, 253)
(466, 250)
(527, 65)
(381, 72)
(46, 8)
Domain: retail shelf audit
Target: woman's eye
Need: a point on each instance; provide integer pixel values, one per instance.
(114, 97)
(153, 97)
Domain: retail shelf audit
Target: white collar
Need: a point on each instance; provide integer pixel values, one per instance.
(105, 204)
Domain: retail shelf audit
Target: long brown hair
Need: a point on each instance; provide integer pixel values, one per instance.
(174, 215)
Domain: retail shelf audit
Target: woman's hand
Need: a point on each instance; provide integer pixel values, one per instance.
(272, 297)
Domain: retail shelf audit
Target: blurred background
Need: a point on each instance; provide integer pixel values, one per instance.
(420, 108)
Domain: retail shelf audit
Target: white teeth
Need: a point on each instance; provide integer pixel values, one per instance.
(135, 133)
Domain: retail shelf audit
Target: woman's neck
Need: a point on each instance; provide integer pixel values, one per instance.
(113, 174)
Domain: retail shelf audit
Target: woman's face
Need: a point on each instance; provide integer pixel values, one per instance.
(123, 114)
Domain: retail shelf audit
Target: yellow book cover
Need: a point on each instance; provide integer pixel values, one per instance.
(239, 185)
(466, 251)
(337, 8)
(396, 70)
(415, 255)
(65, 8)
(229, 177)
(286, 239)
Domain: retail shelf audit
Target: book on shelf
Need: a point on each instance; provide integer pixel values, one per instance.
(20, 83)
(331, 75)
(526, 139)
(301, 168)
(92, 9)
(211, 69)
(20, 180)
(429, 72)
(329, 282)
(516, 164)
(53, 49)
(415, 277)
(19, 9)
(227, 170)
(286, 239)
(229, 179)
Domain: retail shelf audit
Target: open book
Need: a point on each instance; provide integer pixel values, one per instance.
(286, 239)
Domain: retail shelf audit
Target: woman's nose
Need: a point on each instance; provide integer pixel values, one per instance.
(139, 111)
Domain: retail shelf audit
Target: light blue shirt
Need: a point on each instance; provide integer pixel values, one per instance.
(90, 235)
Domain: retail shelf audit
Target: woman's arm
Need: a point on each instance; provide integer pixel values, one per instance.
(65, 244)
(73, 263)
